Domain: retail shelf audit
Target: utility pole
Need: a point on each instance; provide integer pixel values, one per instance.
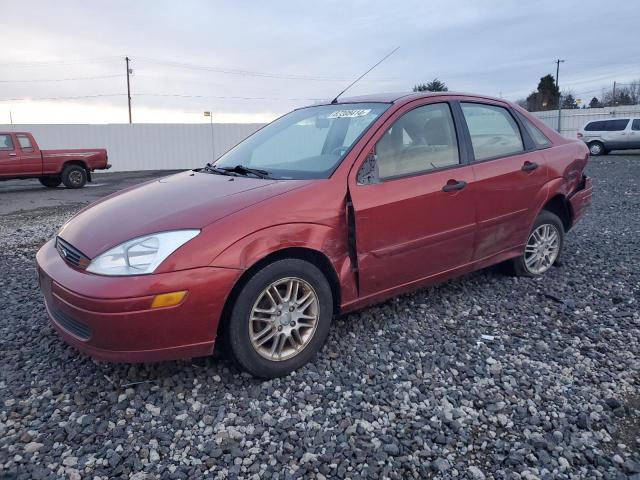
(128, 87)
(213, 152)
(11, 118)
(614, 93)
(558, 62)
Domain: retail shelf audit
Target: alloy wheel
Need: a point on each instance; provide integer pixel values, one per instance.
(542, 249)
(284, 319)
(75, 177)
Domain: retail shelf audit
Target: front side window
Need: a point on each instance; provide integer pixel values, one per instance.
(494, 132)
(616, 125)
(422, 139)
(25, 142)
(636, 124)
(5, 142)
(305, 144)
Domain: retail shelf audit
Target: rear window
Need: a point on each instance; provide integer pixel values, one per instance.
(636, 124)
(5, 142)
(616, 125)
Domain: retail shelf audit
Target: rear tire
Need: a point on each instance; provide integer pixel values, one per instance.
(280, 319)
(543, 246)
(50, 182)
(74, 176)
(596, 148)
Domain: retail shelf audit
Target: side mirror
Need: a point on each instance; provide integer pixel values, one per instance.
(368, 172)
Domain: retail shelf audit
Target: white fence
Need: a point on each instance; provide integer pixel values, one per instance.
(574, 120)
(144, 146)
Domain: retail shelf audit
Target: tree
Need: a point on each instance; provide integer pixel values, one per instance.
(434, 85)
(522, 102)
(546, 97)
(595, 103)
(568, 102)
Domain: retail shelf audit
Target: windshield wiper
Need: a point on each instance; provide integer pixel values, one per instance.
(213, 169)
(242, 170)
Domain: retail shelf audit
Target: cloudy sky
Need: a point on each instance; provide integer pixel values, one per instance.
(251, 61)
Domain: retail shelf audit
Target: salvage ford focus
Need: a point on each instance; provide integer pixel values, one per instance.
(326, 210)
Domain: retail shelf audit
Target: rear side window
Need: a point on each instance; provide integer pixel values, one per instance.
(617, 125)
(539, 138)
(25, 142)
(5, 142)
(636, 124)
(494, 132)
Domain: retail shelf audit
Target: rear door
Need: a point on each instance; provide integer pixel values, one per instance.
(509, 172)
(9, 159)
(412, 199)
(30, 158)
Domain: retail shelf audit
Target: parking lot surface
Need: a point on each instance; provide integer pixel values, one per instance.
(487, 376)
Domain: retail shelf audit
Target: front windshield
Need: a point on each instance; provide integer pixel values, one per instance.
(306, 143)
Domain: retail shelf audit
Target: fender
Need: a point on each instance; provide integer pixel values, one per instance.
(328, 241)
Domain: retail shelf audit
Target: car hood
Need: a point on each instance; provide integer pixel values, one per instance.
(185, 200)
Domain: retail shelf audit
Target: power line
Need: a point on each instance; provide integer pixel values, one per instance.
(61, 79)
(233, 71)
(60, 62)
(178, 95)
(75, 97)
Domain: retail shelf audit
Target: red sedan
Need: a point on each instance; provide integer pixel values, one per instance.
(325, 210)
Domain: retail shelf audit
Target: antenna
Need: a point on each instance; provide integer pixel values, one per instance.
(335, 100)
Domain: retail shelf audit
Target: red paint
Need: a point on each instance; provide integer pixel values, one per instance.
(17, 162)
(408, 233)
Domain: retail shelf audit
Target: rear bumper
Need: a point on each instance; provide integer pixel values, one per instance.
(110, 318)
(580, 200)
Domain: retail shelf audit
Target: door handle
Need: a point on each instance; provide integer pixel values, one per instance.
(13, 154)
(529, 166)
(453, 185)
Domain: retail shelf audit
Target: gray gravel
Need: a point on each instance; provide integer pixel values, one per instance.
(406, 389)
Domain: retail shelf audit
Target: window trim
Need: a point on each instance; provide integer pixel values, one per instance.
(12, 148)
(29, 149)
(527, 143)
(463, 161)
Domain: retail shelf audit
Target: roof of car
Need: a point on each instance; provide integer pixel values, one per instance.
(394, 97)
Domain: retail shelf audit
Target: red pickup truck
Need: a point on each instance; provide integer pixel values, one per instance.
(20, 157)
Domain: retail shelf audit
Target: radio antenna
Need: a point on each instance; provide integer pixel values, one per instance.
(335, 100)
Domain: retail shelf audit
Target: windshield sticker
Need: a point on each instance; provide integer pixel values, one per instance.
(350, 113)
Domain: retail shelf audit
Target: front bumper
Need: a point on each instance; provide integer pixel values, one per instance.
(580, 200)
(110, 318)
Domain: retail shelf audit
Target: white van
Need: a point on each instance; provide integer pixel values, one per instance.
(602, 136)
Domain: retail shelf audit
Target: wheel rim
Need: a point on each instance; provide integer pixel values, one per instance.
(542, 249)
(595, 149)
(284, 319)
(75, 177)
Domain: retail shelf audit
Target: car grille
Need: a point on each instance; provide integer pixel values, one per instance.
(71, 254)
(78, 329)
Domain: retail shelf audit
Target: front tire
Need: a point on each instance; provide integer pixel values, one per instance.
(50, 182)
(74, 176)
(280, 319)
(596, 148)
(543, 246)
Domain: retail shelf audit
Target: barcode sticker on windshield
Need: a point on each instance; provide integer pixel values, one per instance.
(350, 113)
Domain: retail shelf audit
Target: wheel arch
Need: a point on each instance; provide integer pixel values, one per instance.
(560, 206)
(80, 163)
(310, 255)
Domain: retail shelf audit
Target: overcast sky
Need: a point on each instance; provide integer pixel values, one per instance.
(251, 61)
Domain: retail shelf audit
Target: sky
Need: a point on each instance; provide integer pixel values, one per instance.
(253, 61)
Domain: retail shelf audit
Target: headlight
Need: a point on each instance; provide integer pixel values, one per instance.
(140, 256)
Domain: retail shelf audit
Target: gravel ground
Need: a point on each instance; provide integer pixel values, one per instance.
(409, 388)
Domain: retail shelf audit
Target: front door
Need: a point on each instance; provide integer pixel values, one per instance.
(9, 159)
(413, 200)
(30, 158)
(507, 178)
